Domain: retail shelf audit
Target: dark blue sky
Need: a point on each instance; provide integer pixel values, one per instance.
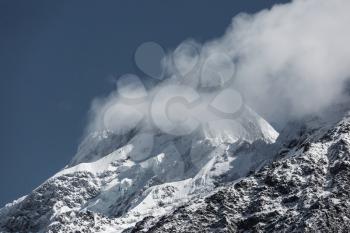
(56, 56)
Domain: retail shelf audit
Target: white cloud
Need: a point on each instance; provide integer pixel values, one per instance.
(293, 58)
(288, 61)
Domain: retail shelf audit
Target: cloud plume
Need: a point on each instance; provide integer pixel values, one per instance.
(287, 62)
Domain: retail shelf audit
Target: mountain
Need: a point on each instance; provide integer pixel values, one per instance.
(245, 178)
(306, 188)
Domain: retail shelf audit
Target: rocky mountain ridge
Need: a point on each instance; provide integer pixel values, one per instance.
(298, 183)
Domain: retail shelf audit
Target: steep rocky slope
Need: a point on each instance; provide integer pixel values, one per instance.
(307, 189)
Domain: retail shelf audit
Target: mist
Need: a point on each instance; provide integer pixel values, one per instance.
(284, 63)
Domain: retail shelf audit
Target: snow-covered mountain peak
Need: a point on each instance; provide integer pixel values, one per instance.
(133, 170)
(249, 126)
(148, 172)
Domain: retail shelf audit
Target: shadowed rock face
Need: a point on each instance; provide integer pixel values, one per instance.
(298, 184)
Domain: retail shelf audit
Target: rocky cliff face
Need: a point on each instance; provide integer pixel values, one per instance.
(299, 183)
